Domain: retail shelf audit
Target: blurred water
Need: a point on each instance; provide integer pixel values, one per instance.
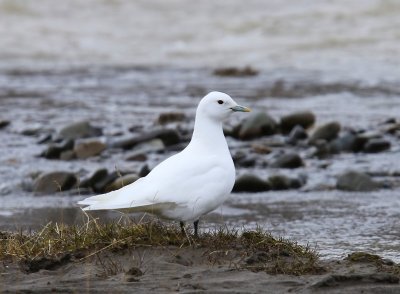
(354, 38)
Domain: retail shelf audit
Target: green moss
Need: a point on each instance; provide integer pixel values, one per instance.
(363, 257)
(252, 250)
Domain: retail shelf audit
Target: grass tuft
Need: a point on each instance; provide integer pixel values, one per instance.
(56, 244)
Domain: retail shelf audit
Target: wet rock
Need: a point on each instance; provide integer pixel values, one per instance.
(98, 176)
(35, 131)
(250, 183)
(88, 149)
(235, 72)
(101, 185)
(169, 117)
(144, 171)
(54, 151)
(326, 132)
(80, 130)
(45, 138)
(376, 145)
(121, 182)
(257, 125)
(322, 149)
(356, 181)
(345, 143)
(4, 123)
(296, 134)
(68, 155)
(54, 182)
(392, 128)
(363, 257)
(154, 145)
(168, 136)
(137, 156)
(261, 148)
(282, 182)
(288, 160)
(305, 119)
(241, 159)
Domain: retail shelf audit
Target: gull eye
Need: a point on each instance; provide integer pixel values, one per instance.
(220, 101)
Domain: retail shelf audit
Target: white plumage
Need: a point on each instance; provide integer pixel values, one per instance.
(189, 184)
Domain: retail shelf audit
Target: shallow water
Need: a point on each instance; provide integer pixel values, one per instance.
(356, 38)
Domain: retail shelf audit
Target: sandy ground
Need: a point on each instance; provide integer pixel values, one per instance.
(190, 270)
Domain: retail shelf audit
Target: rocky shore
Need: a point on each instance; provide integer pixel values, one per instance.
(260, 141)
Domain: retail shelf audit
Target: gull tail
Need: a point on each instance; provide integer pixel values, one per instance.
(120, 200)
(99, 202)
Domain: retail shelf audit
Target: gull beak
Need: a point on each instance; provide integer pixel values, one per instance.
(240, 108)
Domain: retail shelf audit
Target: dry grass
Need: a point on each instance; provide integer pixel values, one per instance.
(253, 250)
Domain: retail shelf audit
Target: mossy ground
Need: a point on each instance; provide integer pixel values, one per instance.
(253, 250)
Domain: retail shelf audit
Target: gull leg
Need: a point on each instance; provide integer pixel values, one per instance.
(196, 226)
(182, 227)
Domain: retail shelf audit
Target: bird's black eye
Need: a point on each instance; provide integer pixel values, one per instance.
(220, 101)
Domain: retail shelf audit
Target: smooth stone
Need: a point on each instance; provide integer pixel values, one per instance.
(288, 160)
(298, 133)
(376, 145)
(45, 138)
(257, 125)
(100, 186)
(153, 145)
(88, 149)
(261, 148)
(326, 132)
(322, 149)
(391, 128)
(137, 156)
(250, 183)
(282, 182)
(97, 176)
(54, 151)
(4, 123)
(67, 155)
(80, 130)
(346, 142)
(54, 182)
(305, 119)
(121, 182)
(235, 71)
(241, 159)
(356, 181)
(168, 136)
(36, 131)
(144, 171)
(170, 117)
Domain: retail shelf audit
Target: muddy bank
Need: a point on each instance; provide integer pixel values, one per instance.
(171, 269)
(151, 257)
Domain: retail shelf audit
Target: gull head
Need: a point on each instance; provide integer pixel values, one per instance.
(218, 106)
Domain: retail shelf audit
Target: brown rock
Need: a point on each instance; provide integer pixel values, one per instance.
(54, 182)
(89, 148)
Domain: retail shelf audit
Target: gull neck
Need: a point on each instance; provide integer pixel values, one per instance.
(208, 134)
